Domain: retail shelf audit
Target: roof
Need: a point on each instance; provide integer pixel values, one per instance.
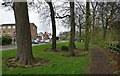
(14, 24)
(7, 24)
(33, 24)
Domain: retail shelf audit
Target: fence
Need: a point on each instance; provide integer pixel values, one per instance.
(113, 47)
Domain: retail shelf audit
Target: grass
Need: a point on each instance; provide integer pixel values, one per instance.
(58, 64)
(0, 63)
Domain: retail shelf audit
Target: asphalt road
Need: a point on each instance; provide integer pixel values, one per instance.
(10, 47)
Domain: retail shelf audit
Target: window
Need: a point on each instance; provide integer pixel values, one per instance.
(9, 27)
(13, 26)
(4, 27)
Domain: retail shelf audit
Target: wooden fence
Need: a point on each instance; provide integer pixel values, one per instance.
(113, 47)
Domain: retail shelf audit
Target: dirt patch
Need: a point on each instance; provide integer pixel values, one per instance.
(50, 50)
(11, 63)
(76, 53)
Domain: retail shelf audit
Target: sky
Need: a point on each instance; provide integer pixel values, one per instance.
(7, 17)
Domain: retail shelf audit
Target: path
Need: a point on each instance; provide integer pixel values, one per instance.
(99, 62)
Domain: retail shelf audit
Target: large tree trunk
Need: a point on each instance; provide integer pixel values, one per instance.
(53, 26)
(72, 24)
(94, 6)
(104, 33)
(23, 33)
(103, 22)
(105, 28)
(102, 17)
(80, 27)
(87, 26)
(93, 25)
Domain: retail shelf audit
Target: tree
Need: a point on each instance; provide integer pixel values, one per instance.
(94, 6)
(80, 27)
(72, 24)
(80, 16)
(116, 27)
(23, 33)
(53, 26)
(107, 12)
(87, 26)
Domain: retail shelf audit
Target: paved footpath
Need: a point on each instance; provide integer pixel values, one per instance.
(99, 62)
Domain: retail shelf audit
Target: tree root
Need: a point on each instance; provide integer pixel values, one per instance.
(13, 63)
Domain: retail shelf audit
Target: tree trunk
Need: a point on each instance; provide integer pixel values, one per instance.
(72, 24)
(103, 22)
(80, 27)
(53, 26)
(93, 25)
(105, 28)
(104, 33)
(23, 33)
(87, 26)
(94, 19)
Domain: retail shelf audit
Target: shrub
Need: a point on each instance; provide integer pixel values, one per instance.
(6, 39)
(118, 45)
(64, 48)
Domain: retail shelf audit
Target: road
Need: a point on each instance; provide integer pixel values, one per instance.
(10, 47)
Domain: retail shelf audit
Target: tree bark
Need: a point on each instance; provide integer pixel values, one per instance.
(103, 22)
(87, 27)
(93, 25)
(94, 15)
(105, 28)
(80, 27)
(53, 26)
(23, 33)
(72, 24)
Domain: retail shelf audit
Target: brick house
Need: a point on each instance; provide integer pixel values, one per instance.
(10, 29)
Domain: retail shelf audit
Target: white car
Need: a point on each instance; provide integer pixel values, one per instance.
(34, 42)
(47, 41)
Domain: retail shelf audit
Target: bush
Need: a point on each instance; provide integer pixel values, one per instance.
(118, 45)
(64, 48)
(6, 39)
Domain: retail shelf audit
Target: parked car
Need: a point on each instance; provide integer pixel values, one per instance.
(75, 39)
(42, 41)
(47, 41)
(34, 42)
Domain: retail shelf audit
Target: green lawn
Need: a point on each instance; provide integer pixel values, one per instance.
(58, 64)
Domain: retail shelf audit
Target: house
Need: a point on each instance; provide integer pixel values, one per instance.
(64, 35)
(10, 30)
(43, 36)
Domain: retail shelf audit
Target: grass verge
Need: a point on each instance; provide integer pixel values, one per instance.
(58, 64)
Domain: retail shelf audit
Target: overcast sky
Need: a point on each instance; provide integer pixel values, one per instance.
(7, 17)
